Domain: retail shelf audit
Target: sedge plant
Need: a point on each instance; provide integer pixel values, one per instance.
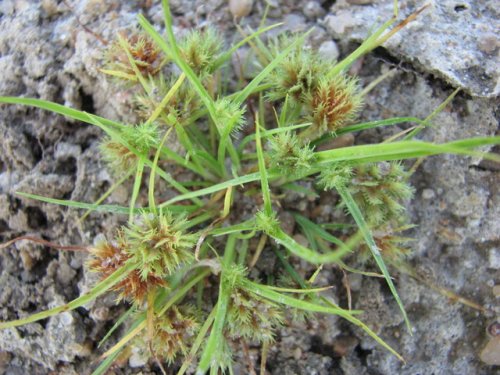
(183, 263)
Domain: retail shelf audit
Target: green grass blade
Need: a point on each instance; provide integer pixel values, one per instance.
(363, 227)
(62, 110)
(136, 189)
(405, 150)
(213, 189)
(102, 207)
(266, 192)
(248, 90)
(215, 341)
(117, 324)
(227, 55)
(96, 291)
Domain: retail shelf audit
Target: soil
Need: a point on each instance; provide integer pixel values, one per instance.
(52, 50)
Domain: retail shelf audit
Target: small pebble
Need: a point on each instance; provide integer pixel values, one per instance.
(240, 8)
(428, 194)
(489, 354)
(313, 9)
(329, 50)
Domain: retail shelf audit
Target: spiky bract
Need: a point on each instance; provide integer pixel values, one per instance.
(117, 152)
(288, 156)
(297, 75)
(200, 49)
(158, 244)
(252, 317)
(379, 190)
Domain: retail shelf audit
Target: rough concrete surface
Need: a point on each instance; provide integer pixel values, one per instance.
(46, 53)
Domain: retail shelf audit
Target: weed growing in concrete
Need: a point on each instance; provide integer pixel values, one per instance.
(183, 263)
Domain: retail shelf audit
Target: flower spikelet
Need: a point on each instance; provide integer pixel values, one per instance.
(297, 75)
(146, 54)
(175, 332)
(252, 317)
(334, 103)
(379, 190)
(108, 257)
(158, 244)
(289, 156)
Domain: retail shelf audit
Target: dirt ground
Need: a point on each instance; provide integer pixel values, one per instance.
(52, 50)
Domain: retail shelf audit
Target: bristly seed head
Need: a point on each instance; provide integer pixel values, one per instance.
(334, 103)
(142, 138)
(200, 49)
(297, 75)
(156, 245)
(108, 257)
(379, 190)
(288, 156)
(145, 52)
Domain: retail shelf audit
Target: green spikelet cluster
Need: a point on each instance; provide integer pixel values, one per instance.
(289, 156)
(379, 190)
(200, 49)
(142, 138)
(108, 257)
(146, 54)
(252, 317)
(155, 244)
(175, 331)
(158, 244)
(298, 75)
(230, 116)
(335, 175)
(266, 223)
(180, 107)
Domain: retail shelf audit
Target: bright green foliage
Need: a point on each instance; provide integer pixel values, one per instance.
(201, 49)
(288, 156)
(158, 245)
(380, 190)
